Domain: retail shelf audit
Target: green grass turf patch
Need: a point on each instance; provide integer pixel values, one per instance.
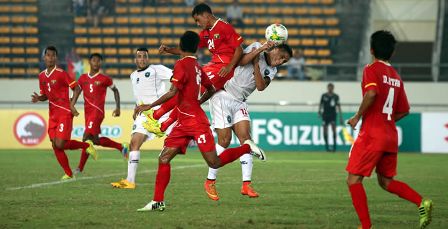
(297, 190)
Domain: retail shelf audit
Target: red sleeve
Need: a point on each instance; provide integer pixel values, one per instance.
(402, 101)
(232, 36)
(108, 82)
(70, 82)
(369, 80)
(205, 81)
(178, 76)
(202, 40)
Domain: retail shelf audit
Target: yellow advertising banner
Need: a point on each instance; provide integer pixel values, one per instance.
(22, 129)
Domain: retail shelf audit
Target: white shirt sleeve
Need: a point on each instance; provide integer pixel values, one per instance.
(249, 48)
(162, 72)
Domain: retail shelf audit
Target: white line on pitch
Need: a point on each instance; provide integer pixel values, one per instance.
(38, 185)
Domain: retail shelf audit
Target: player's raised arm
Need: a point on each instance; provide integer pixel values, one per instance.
(165, 49)
(116, 112)
(247, 58)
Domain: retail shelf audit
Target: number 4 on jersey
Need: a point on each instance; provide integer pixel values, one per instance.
(387, 107)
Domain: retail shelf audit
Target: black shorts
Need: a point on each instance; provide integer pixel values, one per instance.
(328, 119)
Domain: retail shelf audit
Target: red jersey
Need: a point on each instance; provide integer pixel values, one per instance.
(188, 77)
(55, 86)
(378, 121)
(221, 40)
(94, 90)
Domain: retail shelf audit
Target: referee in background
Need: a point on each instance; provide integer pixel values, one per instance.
(327, 112)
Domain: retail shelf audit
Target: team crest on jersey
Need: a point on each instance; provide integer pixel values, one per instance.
(229, 119)
(97, 83)
(53, 81)
(266, 72)
(216, 36)
(147, 74)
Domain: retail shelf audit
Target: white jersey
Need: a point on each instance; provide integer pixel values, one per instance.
(148, 84)
(242, 84)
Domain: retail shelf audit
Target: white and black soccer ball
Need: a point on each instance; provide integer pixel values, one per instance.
(277, 33)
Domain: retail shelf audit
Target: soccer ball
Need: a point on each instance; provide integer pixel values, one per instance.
(276, 33)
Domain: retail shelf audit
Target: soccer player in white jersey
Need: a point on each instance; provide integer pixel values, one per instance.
(148, 86)
(228, 107)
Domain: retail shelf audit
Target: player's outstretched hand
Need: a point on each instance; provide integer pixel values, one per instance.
(34, 97)
(163, 49)
(139, 109)
(116, 113)
(224, 71)
(74, 111)
(353, 121)
(268, 45)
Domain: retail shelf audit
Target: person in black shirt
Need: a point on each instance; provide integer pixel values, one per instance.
(327, 111)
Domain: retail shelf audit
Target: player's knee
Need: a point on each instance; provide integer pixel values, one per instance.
(383, 182)
(352, 179)
(224, 141)
(58, 144)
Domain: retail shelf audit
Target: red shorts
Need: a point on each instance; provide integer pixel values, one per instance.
(93, 124)
(362, 161)
(212, 70)
(60, 126)
(181, 136)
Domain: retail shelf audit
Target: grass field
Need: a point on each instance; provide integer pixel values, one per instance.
(298, 190)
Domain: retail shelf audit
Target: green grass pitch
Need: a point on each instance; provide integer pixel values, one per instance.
(297, 190)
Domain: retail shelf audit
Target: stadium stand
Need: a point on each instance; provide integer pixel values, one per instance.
(19, 37)
(312, 24)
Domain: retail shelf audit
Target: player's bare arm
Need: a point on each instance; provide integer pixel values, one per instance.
(319, 111)
(398, 116)
(76, 92)
(36, 98)
(170, 94)
(235, 59)
(207, 94)
(367, 101)
(260, 82)
(248, 57)
(165, 49)
(116, 112)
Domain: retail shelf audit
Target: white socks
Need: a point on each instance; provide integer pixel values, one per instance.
(246, 166)
(134, 157)
(212, 173)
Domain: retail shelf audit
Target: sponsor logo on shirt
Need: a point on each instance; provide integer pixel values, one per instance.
(147, 74)
(216, 36)
(266, 72)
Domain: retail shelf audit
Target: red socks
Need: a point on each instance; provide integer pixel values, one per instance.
(165, 107)
(232, 154)
(63, 161)
(359, 200)
(162, 180)
(83, 160)
(73, 144)
(404, 191)
(107, 142)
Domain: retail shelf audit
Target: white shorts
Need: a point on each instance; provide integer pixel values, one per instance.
(226, 111)
(138, 126)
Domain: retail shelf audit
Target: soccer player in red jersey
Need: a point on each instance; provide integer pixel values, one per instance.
(94, 85)
(222, 41)
(54, 84)
(384, 103)
(192, 123)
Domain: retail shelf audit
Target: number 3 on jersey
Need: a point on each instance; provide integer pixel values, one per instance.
(387, 107)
